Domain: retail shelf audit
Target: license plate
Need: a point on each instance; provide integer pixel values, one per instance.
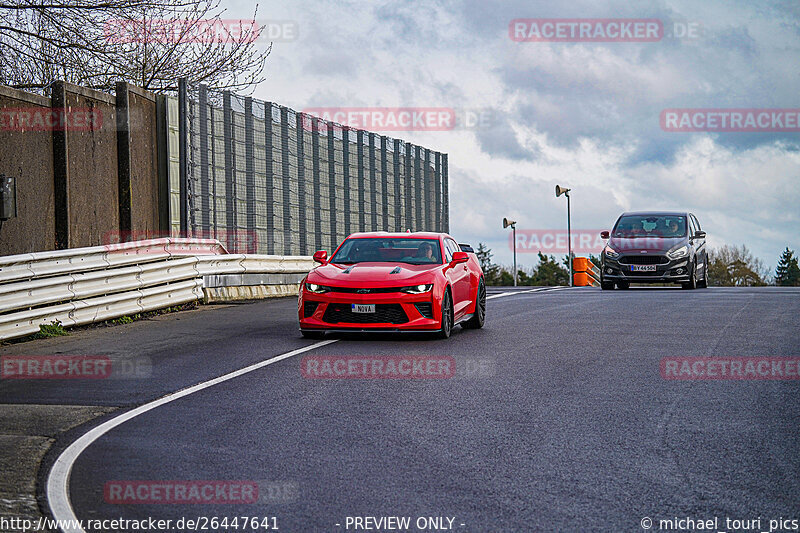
(362, 308)
(643, 268)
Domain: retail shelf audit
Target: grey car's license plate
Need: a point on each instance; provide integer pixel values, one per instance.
(643, 268)
(362, 308)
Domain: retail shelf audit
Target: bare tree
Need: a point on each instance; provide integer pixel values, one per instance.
(150, 43)
(735, 266)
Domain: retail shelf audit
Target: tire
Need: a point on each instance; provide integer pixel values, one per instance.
(447, 316)
(311, 334)
(692, 283)
(479, 316)
(623, 285)
(607, 285)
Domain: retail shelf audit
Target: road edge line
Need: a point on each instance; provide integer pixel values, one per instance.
(57, 489)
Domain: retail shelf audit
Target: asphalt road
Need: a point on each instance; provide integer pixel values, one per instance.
(557, 418)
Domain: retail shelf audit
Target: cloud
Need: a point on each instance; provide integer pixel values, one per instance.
(582, 114)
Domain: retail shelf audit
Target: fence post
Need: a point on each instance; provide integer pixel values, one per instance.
(301, 184)
(446, 195)
(315, 177)
(124, 160)
(205, 185)
(361, 179)
(270, 177)
(332, 183)
(398, 223)
(346, 177)
(183, 141)
(58, 96)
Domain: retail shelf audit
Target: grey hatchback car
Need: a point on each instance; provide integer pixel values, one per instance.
(654, 247)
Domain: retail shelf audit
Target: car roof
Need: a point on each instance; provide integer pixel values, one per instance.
(399, 235)
(654, 213)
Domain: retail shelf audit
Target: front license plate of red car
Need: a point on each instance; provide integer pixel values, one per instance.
(363, 308)
(643, 268)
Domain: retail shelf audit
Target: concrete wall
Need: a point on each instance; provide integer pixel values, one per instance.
(27, 155)
(144, 163)
(92, 171)
(80, 185)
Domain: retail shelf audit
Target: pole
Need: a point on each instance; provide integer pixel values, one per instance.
(514, 236)
(569, 241)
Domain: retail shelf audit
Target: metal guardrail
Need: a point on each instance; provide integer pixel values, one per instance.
(85, 285)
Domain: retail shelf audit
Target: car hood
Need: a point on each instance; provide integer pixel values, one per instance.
(371, 274)
(645, 244)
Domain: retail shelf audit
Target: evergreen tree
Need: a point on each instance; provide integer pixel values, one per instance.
(787, 273)
(491, 272)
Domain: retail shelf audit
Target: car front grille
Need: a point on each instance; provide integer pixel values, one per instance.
(384, 313)
(364, 290)
(309, 308)
(425, 309)
(643, 259)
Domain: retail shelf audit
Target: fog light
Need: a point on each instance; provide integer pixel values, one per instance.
(679, 271)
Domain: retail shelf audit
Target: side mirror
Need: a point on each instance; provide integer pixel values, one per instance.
(466, 247)
(699, 234)
(321, 257)
(604, 234)
(458, 258)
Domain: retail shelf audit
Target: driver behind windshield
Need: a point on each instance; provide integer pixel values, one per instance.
(424, 254)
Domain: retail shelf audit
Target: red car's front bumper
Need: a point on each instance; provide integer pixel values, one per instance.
(394, 311)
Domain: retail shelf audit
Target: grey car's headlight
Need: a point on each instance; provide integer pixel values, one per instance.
(677, 253)
(316, 289)
(417, 289)
(610, 252)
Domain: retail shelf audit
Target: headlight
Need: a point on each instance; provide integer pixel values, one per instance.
(677, 253)
(317, 289)
(610, 252)
(417, 289)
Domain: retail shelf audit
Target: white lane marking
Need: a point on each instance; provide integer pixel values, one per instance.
(499, 295)
(58, 479)
(539, 289)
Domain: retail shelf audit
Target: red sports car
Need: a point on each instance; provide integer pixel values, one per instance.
(393, 281)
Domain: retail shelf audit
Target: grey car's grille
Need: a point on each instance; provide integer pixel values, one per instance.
(643, 259)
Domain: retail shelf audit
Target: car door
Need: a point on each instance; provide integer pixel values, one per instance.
(459, 279)
(700, 247)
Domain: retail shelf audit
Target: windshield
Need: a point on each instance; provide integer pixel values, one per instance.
(635, 226)
(389, 250)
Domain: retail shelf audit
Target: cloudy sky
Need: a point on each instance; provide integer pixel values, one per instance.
(581, 114)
